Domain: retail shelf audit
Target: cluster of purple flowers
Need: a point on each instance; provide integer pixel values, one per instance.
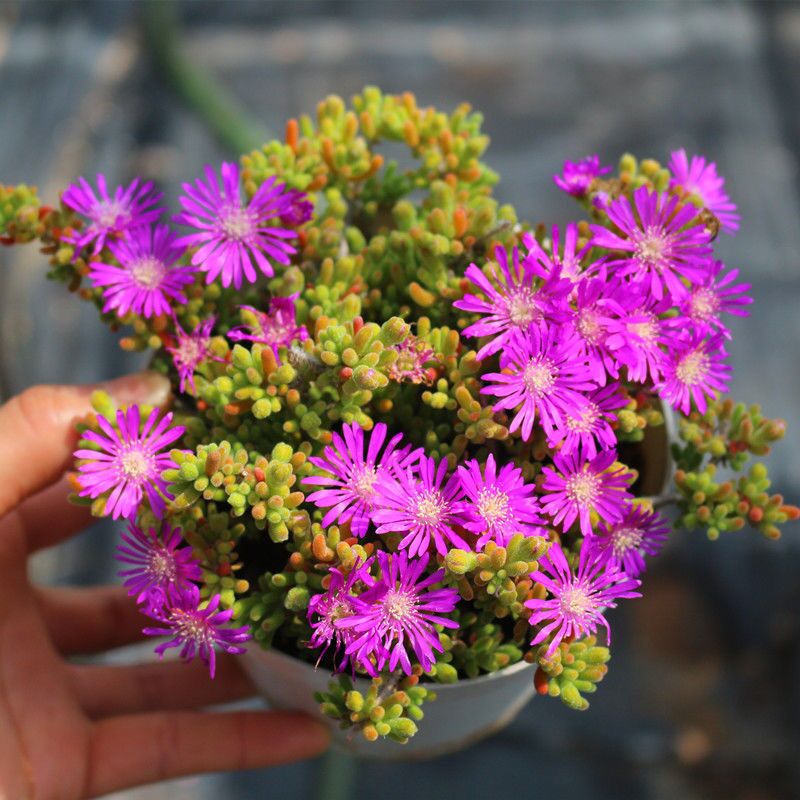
(400, 490)
(232, 240)
(571, 329)
(159, 573)
(373, 621)
(567, 328)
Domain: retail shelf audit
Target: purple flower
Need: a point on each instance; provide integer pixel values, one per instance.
(623, 545)
(191, 349)
(663, 244)
(299, 211)
(564, 258)
(596, 311)
(579, 487)
(588, 430)
(636, 338)
(412, 356)
(158, 563)
(397, 614)
(544, 374)
(350, 483)
(699, 177)
(197, 630)
(577, 601)
(414, 502)
(712, 297)
(230, 235)
(146, 279)
(109, 216)
(277, 328)
(516, 303)
(129, 463)
(337, 602)
(577, 176)
(694, 370)
(497, 505)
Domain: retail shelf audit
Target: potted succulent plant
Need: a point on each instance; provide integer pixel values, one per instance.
(414, 442)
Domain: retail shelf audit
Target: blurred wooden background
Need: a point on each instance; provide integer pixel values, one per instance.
(703, 696)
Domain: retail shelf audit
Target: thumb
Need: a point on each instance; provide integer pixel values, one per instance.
(37, 429)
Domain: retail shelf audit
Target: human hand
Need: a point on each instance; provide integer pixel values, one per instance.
(73, 731)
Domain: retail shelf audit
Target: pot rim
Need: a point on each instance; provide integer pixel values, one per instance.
(505, 672)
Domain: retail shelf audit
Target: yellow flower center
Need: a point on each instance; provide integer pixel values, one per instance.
(574, 601)
(589, 326)
(586, 419)
(493, 506)
(646, 330)
(398, 605)
(582, 487)
(134, 464)
(693, 368)
(429, 508)
(703, 304)
(650, 248)
(539, 376)
(162, 566)
(364, 482)
(522, 308)
(107, 214)
(237, 223)
(147, 272)
(625, 539)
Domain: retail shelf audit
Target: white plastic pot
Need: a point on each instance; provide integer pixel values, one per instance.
(464, 712)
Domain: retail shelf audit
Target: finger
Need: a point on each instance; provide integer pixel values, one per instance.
(48, 517)
(85, 621)
(105, 691)
(37, 430)
(144, 748)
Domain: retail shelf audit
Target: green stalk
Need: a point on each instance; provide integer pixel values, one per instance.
(229, 123)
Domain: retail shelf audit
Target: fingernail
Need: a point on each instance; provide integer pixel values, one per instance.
(148, 388)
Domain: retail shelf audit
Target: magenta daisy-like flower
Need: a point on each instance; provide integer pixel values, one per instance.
(694, 369)
(232, 237)
(714, 296)
(299, 209)
(588, 430)
(526, 294)
(158, 563)
(699, 177)
(332, 605)
(412, 356)
(579, 487)
(577, 176)
(624, 544)
(577, 601)
(189, 350)
(663, 243)
(146, 279)
(636, 338)
(129, 463)
(108, 216)
(198, 629)
(544, 374)
(596, 311)
(397, 614)
(278, 327)
(497, 504)
(564, 259)
(350, 477)
(421, 504)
